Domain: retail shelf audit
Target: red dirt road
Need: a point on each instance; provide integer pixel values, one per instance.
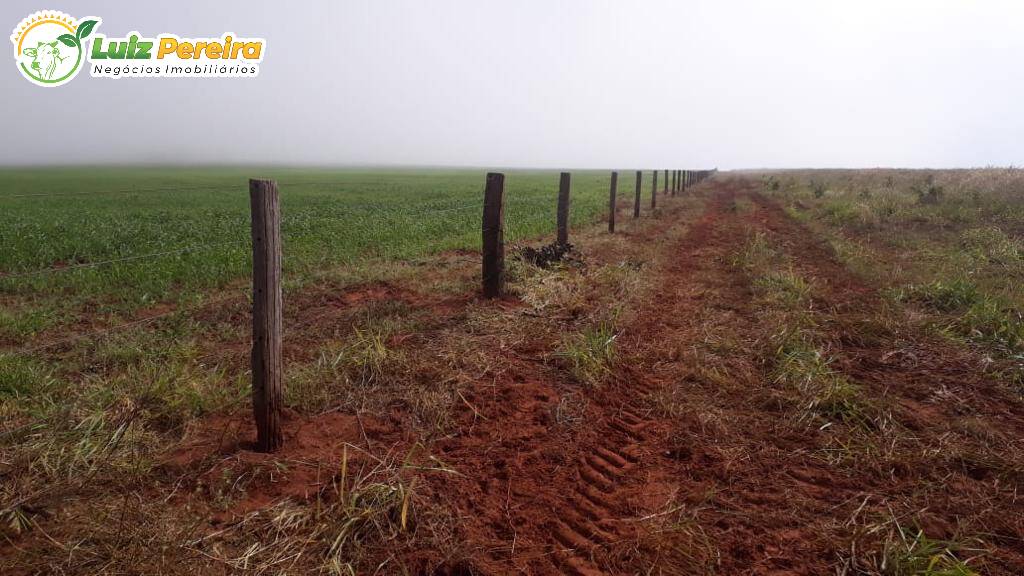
(692, 460)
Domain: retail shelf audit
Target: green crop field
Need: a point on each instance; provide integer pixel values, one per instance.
(173, 234)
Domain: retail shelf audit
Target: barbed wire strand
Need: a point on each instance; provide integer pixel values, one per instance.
(73, 267)
(107, 192)
(120, 327)
(190, 248)
(510, 238)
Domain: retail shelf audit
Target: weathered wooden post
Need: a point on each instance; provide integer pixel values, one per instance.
(267, 381)
(494, 236)
(654, 191)
(611, 202)
(564, 184)
(639, 185)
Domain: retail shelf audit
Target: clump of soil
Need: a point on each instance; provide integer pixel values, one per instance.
(553, 253)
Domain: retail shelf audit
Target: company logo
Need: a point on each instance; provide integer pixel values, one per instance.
(50, 48)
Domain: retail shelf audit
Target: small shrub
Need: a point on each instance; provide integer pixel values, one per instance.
(929, 192)
(818, 188)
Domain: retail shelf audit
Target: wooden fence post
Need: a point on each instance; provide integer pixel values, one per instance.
(564, 184)
(494, 236)
(654, 191)
(611, 202)
(639, 185)
(267, 364)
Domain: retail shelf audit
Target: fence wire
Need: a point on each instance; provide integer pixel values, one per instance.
(122, 327)
(149, 256)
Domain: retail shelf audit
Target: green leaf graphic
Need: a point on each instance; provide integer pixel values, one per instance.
(85, 28)
(68, 40)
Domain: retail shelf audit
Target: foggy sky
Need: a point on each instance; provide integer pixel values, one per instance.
(546, 83)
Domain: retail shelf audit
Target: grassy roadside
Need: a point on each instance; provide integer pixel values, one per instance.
(860, 428)
(945, 244)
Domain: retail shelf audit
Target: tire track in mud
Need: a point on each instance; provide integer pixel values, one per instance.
(624, 472)
(551, 502)
(586, 519)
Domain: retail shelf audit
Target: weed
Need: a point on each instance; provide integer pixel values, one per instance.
(362, 361)
(784, 287)
(23, 324)
(22, 376)
(571, 409)
(824, 392)
(590, 354)
(356, 509)
(910, 553)
(990, 245)
(976, 316)
(755, 253)
(942, 296)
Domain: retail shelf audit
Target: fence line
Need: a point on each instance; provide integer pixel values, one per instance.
(267, 294)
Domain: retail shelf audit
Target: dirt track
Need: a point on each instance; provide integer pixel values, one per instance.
(730, 482)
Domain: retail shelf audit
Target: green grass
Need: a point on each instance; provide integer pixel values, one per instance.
(798, 358)
(590, 354)
(948, 242)
(72, 217)
(971, 313)
(912, 553)
(824, 392)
